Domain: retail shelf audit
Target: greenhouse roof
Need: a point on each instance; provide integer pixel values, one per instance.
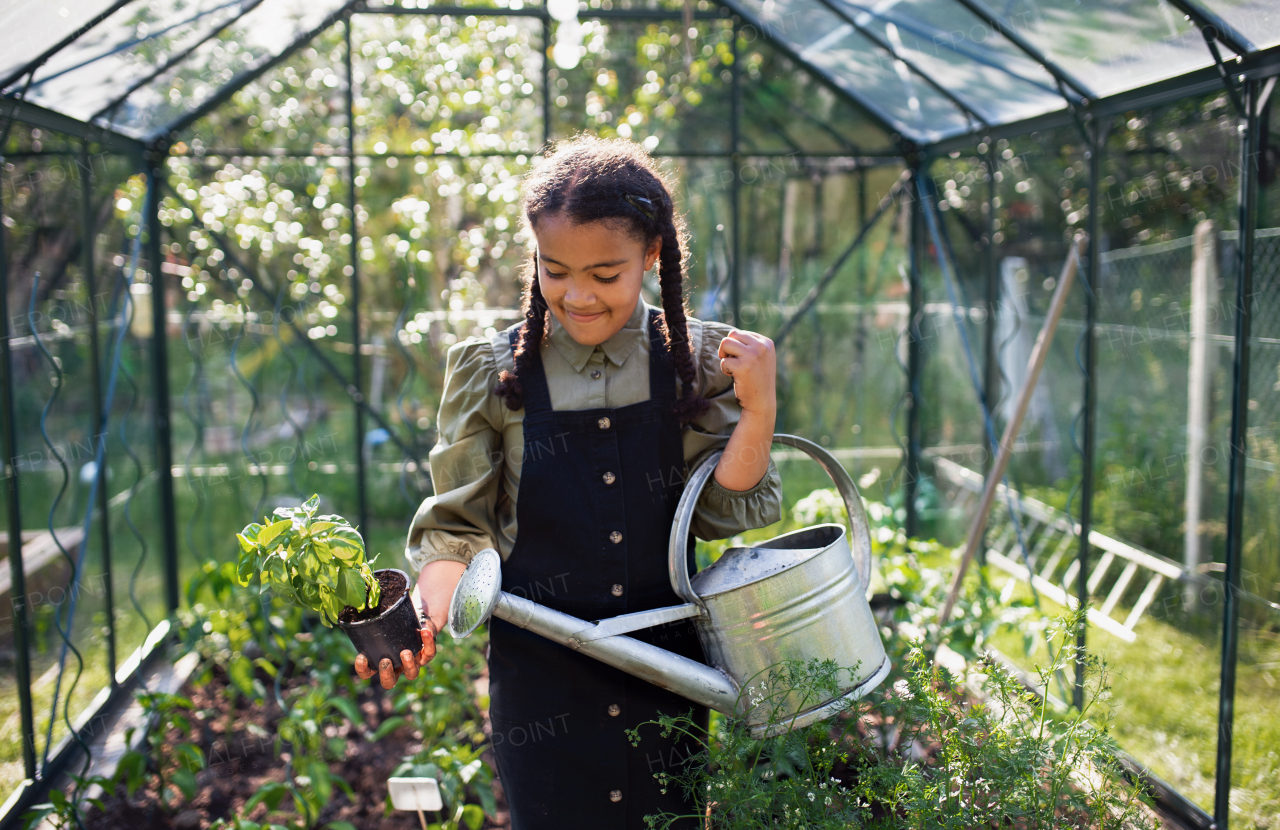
(927, 71)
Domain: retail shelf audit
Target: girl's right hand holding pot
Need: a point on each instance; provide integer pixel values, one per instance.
(410, 663)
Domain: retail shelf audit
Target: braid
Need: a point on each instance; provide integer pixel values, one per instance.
(588, 179)
(675, 329)
(530, 339)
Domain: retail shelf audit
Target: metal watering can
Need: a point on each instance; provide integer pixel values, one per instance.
(798, 596)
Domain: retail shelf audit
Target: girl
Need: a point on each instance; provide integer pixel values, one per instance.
(564, 444)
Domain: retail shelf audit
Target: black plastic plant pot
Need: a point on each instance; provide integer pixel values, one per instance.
(392, 631)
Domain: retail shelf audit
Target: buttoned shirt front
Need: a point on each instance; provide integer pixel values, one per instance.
(475, 465)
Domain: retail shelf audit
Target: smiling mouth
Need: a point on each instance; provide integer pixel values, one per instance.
(582, 317)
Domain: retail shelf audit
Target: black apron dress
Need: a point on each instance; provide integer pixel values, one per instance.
(597, 498)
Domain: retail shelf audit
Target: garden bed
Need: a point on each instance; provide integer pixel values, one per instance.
(239, 745)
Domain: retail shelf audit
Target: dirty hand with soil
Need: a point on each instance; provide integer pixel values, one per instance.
(435, 587)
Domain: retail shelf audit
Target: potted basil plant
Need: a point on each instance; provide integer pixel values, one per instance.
(319, 563)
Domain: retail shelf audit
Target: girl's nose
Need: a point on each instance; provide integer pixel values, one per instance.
(579, 295)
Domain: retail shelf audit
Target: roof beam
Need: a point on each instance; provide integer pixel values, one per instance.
(248, 76)
(998, 23)
(66, 41)
(38, 116)
(1210, 24)
(884, 44)
(882, 119)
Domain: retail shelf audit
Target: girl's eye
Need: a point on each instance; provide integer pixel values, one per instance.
(552, 274)
(607, 280)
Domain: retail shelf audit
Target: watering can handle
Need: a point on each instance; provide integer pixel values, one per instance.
(677, 550)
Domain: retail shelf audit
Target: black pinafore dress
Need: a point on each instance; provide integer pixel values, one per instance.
(597, 497)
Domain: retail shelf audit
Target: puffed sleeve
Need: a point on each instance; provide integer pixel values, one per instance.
(721, 513)
(458, 521)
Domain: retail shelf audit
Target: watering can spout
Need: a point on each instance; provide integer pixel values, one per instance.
(794, 598)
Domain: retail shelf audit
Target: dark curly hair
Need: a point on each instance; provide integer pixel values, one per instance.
(589, 179)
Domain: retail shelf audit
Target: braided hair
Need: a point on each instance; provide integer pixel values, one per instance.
(589, 179)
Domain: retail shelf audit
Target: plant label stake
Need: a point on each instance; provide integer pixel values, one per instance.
(418, 794)
(798, 597)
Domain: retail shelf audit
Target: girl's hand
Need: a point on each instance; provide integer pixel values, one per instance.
(410, 663)
(750, 360)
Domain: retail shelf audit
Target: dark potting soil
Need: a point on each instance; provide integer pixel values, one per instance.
(391, 585)
(238, 741)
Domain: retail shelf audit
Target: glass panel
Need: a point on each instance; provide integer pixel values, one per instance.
(299, 107)
(85, 77)
(253, 39)
(262, 423)
(843, 381)
(1257, 20)
(448, 84)
(951, 45)
(1164, 382)
(441, 262)
(42, 201)
(1110, 45)
(32, 28)
(649, 81)
(1255, 763)
(137, 551)
(786, 109)
(899, 96)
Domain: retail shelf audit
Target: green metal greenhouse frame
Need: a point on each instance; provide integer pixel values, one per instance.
(937, 90)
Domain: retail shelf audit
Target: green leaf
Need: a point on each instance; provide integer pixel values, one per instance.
(190, 755)
(132, 770)
(339, 825)
(240, 670)
(318, 527)
(277, 573)
(332, 605)
(246, 567)
(185, 780)
(346, 543)
(268, 534)
(351, 588)
(311, 505)
(348, 709)
(388, 726)
(35, 815)
(270, 794)
(473, 816)
(267, 666)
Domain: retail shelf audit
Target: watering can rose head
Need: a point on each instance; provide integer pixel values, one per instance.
(315, 561)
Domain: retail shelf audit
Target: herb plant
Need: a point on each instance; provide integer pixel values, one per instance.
(923, 751)
(316, 561)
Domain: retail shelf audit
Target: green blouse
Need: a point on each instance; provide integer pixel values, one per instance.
(475, 465)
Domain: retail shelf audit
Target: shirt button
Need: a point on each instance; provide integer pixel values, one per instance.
(614, 710)
(603, 423)
(609, 478)
(595, 374)
(615, 795)
(617, 589)
(615, 537)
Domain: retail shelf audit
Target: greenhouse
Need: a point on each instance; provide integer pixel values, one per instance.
(253, 229)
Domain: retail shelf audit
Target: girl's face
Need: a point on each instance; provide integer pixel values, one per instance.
(590, 275)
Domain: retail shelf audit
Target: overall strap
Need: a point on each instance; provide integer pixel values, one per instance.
(537, 398)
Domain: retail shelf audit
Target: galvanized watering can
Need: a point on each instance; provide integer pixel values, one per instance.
(798, 596)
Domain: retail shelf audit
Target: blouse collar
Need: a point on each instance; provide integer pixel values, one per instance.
(617, 348)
